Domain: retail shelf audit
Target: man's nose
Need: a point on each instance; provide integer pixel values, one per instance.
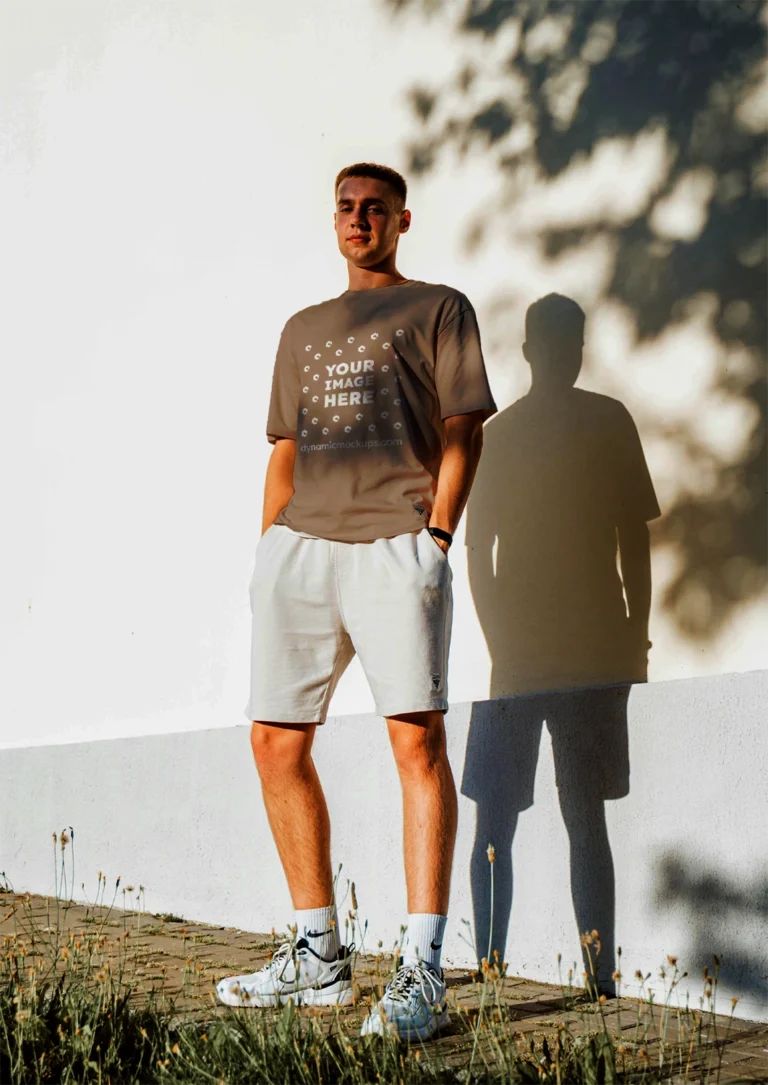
(360, 220)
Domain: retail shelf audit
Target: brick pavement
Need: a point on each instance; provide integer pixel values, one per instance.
(183, 961)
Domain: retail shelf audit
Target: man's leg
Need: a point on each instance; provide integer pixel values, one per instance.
(314, 970)
(429, 811)
(296, 809)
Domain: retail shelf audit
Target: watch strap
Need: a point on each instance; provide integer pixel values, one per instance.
(438, 533)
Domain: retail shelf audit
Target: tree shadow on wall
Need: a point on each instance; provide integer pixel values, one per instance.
(561, 489)
(544, 89)
(720, 920)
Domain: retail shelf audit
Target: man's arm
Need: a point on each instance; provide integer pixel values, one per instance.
(635, 557)
(461, 456)
(278, 484)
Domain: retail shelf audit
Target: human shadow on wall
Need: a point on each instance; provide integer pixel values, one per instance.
(562, 488)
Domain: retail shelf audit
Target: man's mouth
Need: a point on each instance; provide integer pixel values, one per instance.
(357, 237)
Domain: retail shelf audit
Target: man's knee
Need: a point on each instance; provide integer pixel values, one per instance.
(419, 746)
(280, 748)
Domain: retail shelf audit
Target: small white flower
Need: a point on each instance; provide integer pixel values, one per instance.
(325, 431)
(304, 433)
(351, 339)
(397, 402)
(385, 369)
(314, 421)
(308, 346)
(315, 399)
(329, 343)
(307, 368)
(359, 417)
(304, 410)
(338, 353)
(384, 414)
(336, 418)
(347, 429)
(318, 356)
(305, 390)
(361, 350)
(375, 335)
(399, 332)
(371, 427)
(316, 377)
(385, 391)
(385, 346)
(398, 425)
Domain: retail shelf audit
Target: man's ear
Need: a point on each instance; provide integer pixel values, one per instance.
(405, 221)
(334, 220)
(527, 352)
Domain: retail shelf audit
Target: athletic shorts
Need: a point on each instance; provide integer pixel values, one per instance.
(315, 603)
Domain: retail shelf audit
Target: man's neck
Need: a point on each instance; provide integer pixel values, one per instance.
(365, 278)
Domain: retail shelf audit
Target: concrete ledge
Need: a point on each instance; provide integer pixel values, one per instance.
(682, 838)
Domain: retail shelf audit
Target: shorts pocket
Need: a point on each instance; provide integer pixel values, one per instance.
(433, 543)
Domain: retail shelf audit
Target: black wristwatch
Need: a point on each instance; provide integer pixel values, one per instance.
(438, 533)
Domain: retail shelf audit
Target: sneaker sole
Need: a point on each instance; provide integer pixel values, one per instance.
(423, 1032)
(338, 994)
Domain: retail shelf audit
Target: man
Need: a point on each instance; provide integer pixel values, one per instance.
(377, 408)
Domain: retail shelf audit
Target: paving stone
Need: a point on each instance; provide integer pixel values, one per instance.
(182, 961)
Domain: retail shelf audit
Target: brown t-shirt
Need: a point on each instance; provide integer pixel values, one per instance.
(363, 383)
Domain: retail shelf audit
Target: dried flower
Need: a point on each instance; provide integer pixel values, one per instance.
(353, 895)
(64, 839)
(733, 1003)
(616, 976)
(638, 975)
(672, 961)
(175, 1050)
(491, 853)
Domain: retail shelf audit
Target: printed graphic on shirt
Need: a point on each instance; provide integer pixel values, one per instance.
(351, 394)
(363, 383)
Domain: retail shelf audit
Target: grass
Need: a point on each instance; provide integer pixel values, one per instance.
(72, 1010)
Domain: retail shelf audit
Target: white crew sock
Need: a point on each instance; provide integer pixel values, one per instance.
(320, 927)
(424, 939)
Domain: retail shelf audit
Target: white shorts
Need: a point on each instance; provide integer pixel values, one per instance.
(315, 603)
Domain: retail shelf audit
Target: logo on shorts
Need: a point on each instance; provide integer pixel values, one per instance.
(435, 681)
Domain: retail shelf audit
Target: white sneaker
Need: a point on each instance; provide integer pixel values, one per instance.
(413, 1005)
(295, 974)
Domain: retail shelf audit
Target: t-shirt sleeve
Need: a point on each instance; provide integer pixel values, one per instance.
(635, 494)
(284, 402)
(460, 376)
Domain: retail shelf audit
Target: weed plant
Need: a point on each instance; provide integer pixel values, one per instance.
(72, 1010)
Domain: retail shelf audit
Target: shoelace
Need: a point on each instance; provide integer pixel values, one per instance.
(409, 976)
(283, 953)
(279, 957)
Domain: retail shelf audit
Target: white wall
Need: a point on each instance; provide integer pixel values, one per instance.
(182, 816)
(166, 193)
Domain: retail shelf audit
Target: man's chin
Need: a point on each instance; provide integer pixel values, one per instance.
(360, 255)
